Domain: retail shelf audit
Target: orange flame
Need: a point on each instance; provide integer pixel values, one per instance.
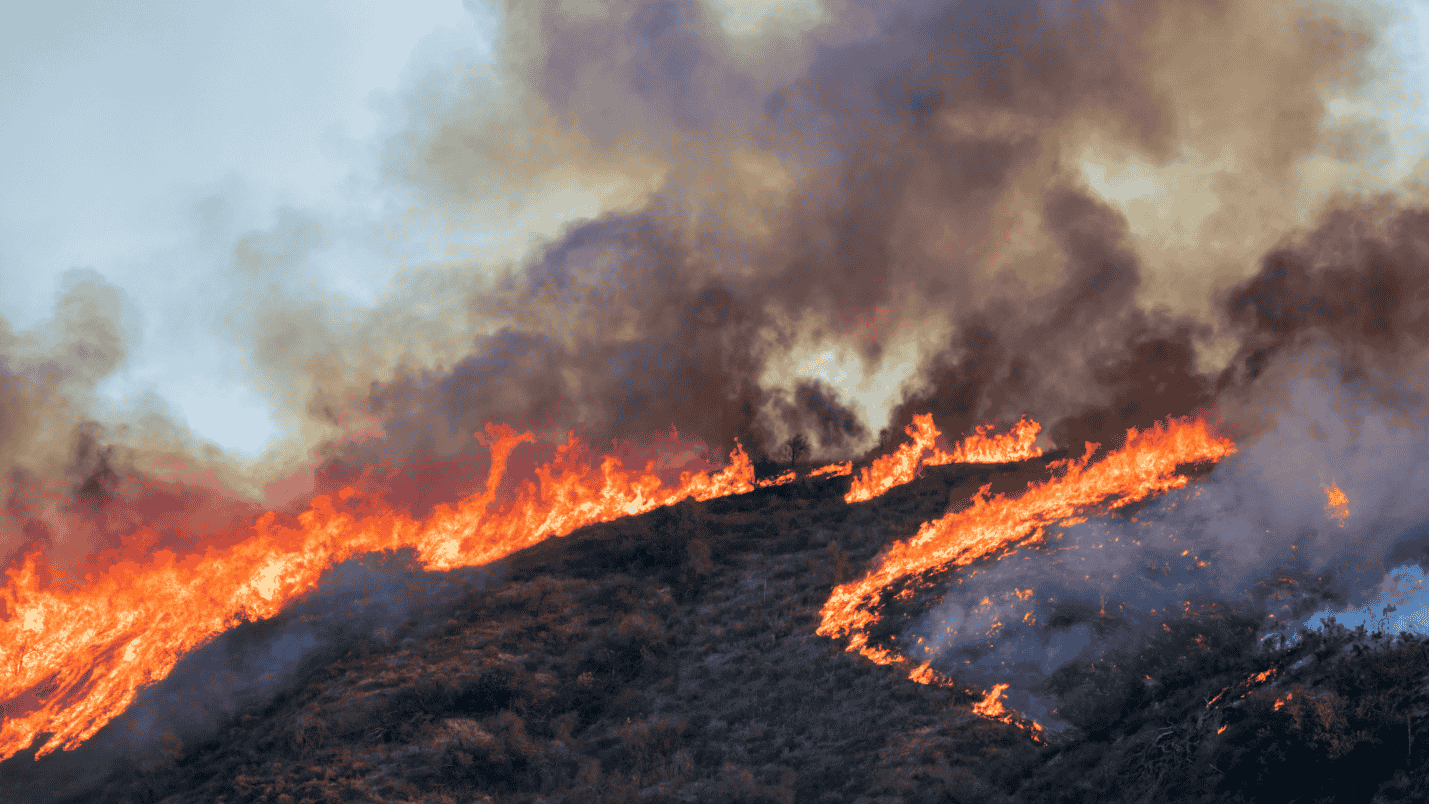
(991, 704)
(834, 469)
(787, 477)
(75, 659)
(992, 708)
(901, 466)
(983, 448)
(897, 468)
(1337, 503)
(1145, 466)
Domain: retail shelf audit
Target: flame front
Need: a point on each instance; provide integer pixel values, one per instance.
(991, 704)
(902, 465)
(981, 447)
(75, 659)
(1145, 466)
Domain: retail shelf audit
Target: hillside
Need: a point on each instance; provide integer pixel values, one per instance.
(672, 657)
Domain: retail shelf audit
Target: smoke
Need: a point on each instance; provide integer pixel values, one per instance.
(1328, 392)
(811, 228)
(636, 215)
(894, 204)
(82, 491)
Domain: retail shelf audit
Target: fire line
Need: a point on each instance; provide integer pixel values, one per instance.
(76, 659)
(1145, 466)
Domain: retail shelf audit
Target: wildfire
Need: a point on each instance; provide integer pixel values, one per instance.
(992, 708)
(991, 704)
(75, 659)
(787, 477)
(1145, 466)
(981, 447)
(901, 466)
(1337, 503)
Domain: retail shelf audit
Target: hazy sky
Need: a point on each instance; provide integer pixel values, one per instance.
(142, 139)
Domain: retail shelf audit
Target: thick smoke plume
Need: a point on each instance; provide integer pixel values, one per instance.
(1329, 391)
(882, 213)
(816, 228)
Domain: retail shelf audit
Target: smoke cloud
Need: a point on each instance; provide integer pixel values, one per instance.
(636, 217)
(1328, 392)
(815, 226)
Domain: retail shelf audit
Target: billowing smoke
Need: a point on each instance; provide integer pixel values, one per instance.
(83, 493)
(805, 233)
(1329, 393)
(810, 230)
(822, 229)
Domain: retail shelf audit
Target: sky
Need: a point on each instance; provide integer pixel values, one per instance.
(146, 138)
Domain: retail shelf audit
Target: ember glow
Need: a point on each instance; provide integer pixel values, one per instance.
(75, 659)
(1337, 503)
(901, 466)
(1145, 466)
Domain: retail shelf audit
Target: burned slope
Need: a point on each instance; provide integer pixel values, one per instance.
(670, 656)
(1207, 712)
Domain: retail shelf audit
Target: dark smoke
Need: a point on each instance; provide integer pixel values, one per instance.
(885, 174)
(86, 493)
(806, 233)
(894, 192)
(1329, 387)
(812, 231)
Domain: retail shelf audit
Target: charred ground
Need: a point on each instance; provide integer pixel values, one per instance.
(672, 657)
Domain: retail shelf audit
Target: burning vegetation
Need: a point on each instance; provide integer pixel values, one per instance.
(814, 241)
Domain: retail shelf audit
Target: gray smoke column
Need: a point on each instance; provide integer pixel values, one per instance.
(1258, 534)
(84, 493)
(818, 227)
(1328, 392)
(882, 211)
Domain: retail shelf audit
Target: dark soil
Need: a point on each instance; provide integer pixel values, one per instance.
(672, 657)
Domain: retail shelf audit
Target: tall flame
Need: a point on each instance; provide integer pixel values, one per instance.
(991, 704)
(901, 466)
(75, 659)
(1145, 466)
(981, 447)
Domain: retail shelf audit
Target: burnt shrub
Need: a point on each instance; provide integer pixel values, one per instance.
(1340, 737)
(647, 744)
(494, 754)
(637, 646)
(421, 697)
(1205, 711)
(411, 705)
(491, 691)
(695, 572)
(1104, 702)
(652, 545)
